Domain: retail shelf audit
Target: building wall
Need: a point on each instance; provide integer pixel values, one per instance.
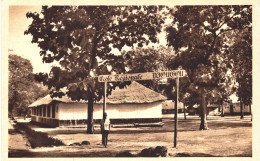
(236, 108)
(226, 108)
(213, 111)
(71, 114)
(71, 111)
(77, 111)
(45, 120)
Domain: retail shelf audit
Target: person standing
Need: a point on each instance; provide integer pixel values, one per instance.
(105, 127)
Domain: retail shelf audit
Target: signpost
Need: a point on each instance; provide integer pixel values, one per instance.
(176, 113)
(146, 76)
(142, 76)
(104, 102)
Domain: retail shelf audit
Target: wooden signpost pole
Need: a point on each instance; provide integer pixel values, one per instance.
(104, 102)
(176, 113)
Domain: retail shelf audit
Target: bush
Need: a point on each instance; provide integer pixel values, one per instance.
(159, 151)
(85, 143)
(147, 152)
(38, 139)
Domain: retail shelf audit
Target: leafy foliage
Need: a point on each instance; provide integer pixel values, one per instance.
(241, 57)
(82, 40)
(22, 89)
(149, 59)
(202, 37)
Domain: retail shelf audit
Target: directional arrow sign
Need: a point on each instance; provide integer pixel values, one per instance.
(142, 76)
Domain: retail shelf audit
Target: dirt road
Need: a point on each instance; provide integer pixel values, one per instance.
(228, 136)
(16, 140)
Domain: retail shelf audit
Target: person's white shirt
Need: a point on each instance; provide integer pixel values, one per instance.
(107, 124)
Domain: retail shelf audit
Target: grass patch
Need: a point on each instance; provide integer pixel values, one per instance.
(37, 139)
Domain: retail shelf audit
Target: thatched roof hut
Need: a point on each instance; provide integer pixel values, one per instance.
(134, 103)
(134, 93)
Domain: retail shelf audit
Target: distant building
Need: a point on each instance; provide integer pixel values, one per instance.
(212, 109)
(168, 107)
(215, 109)
(133, 104)
(234, 109)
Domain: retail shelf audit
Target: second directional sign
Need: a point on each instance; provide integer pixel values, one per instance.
(142, 76)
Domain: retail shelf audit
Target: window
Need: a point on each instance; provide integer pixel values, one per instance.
(44, 111)
(53, 111)
(41, 110)
(48, 110)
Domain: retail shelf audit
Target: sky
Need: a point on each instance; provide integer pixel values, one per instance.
(20, 43)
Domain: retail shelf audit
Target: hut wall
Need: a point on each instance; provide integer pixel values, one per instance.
(130, 111)
(46, 121)
(75, 114)
(78, 111)
(72, 111)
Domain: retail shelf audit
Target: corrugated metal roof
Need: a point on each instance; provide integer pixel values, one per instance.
(134, 93)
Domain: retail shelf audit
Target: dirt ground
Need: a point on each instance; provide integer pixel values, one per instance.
(228, 136)
(16, 140)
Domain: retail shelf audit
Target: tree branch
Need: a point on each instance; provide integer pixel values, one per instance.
(222, 31)
(99, 37)
(228, 20)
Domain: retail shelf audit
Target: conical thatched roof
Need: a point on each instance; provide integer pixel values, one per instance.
(134, 93)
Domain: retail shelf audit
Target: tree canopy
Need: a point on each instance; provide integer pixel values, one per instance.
(241, 58)
(22, 89)
(82, 40)
(150, 59)
(201, 37)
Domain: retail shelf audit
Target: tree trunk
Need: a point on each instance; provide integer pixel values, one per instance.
(222, 111)
(241, 110)
(184, 111)
(90, 126)
(203, 111)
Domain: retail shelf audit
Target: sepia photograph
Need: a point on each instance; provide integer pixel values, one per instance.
(95, 81)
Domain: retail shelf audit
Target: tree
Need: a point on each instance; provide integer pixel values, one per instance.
(22, 89)
(82, 40)
(241, 56)
(20, 77)
(153, 59)
(148, 59)
(200, 37)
